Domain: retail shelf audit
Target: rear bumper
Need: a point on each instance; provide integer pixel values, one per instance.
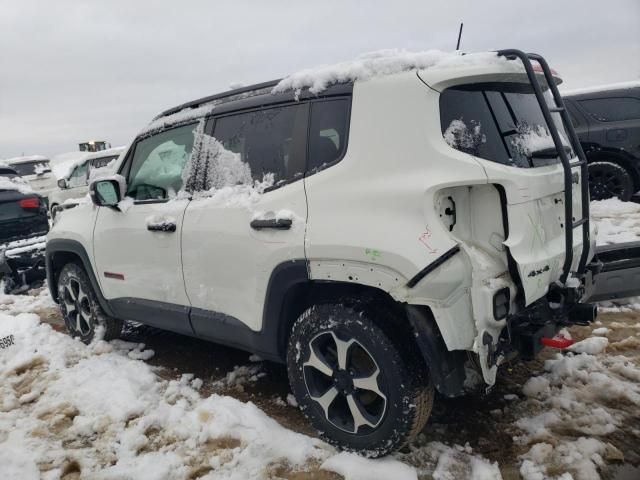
(544, 318)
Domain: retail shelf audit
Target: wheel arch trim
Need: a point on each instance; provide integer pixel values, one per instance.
(75, 248)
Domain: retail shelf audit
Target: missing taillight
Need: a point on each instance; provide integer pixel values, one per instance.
(29, 203)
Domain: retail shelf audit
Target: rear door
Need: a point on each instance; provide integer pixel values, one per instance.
(137, 247)
(235, 232)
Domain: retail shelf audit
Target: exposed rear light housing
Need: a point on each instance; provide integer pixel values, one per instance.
(29, 203)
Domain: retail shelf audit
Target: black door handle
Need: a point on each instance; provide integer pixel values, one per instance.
(275, 223)
(162, 227)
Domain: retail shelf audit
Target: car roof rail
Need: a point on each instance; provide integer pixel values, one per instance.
(256, 88)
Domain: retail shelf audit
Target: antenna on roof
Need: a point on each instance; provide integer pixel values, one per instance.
(459, 36)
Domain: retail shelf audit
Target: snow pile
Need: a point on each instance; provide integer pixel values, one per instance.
(386, 62)
(99, 411)
(354, 467)
(618, 222)
(580, 399)
(444, 462)
(15, 183)
(461, 137)
(63, 402)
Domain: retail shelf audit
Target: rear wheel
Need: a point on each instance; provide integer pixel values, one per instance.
(83, 315)
(362, 390)
(609, 179)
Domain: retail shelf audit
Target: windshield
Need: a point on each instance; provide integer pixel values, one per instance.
(32, 168)
(500, 122)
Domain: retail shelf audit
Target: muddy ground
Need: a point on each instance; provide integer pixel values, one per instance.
(481, 421)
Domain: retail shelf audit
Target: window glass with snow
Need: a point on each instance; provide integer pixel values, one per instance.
(614, 109)
(78, 177)
(155, 171)
(327, 132)
(269, 141)
(500, 122)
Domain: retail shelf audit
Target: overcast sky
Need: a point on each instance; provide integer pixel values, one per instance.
(79, 70)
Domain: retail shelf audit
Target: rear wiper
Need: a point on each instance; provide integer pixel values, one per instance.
(550, 152)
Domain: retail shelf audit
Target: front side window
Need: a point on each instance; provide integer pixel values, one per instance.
(155, 171)
(327, 132)
(614, 109)
(500, 122)
(78, 177)
(270, 141)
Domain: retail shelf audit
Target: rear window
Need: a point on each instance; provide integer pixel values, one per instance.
(500, 122)
(612, 109)
(32, 168)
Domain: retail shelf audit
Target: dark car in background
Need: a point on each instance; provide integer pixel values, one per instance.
(607, 121)
(23, 226)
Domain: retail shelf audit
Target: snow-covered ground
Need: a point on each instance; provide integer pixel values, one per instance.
(104, 411)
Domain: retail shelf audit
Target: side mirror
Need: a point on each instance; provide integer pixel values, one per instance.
(108, 191)
(62, 183)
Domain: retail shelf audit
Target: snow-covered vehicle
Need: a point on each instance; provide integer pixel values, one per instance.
(36, 170)
(75, 183)
(389, 227)
(23, 226)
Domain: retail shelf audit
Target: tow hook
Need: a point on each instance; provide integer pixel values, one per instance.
(559, 341)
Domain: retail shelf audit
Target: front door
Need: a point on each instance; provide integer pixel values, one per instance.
(137, 247)
(236, 233)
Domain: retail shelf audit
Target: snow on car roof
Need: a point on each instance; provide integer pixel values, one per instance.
(26, 159)
(601, 88)
(388, 62)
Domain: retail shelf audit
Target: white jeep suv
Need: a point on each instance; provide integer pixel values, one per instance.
(386, 228)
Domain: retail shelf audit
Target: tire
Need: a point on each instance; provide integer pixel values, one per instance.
(79, 306)
(609, 179)
(387, 404)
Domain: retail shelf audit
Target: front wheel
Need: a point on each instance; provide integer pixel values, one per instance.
(608, 179)
(353, 383)
(83, 315)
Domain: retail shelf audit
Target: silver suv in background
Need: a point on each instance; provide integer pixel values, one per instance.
(36, 170)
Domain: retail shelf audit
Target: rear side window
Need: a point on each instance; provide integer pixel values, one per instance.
(32, 168)
(270, 141)
(613, 109)
(155, 172)
(327, 132)
(102, 161)
(500, 122)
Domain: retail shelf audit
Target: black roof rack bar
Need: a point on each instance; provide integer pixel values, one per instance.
(218, 96)
(569, 223)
